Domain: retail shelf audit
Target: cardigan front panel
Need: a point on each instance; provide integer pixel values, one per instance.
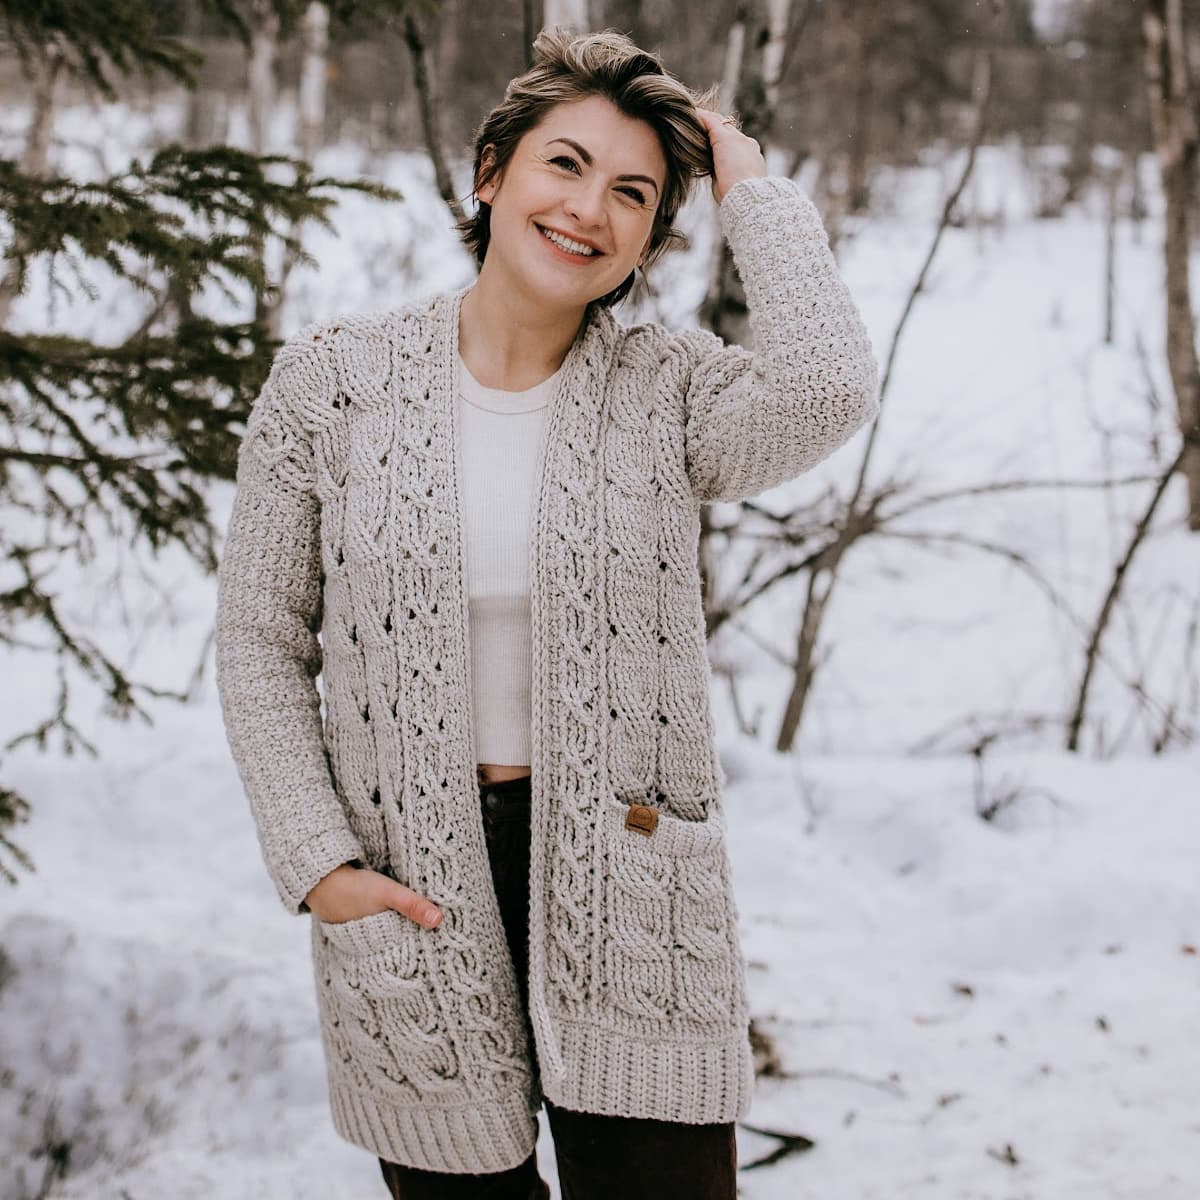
(396, 675)
(626, 938)
(660, 724)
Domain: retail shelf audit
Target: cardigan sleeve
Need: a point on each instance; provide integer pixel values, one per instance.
(755, 420)
(269, 603)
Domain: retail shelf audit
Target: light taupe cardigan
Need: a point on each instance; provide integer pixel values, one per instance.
(347, 522)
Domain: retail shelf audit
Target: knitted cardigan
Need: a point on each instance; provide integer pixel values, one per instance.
(346, 523)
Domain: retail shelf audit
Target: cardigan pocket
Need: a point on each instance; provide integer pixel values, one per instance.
(670, 949)
(384, 1007)
(374, 933)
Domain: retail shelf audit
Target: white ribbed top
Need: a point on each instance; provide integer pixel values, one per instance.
(501, 435)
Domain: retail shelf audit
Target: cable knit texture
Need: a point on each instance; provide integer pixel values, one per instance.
(347, 523)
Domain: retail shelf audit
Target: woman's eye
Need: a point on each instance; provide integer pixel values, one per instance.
(631, 192)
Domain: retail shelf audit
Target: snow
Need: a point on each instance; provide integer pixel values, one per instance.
(979, 973)
(953, 988)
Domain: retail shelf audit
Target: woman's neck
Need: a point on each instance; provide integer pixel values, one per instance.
(510, 345)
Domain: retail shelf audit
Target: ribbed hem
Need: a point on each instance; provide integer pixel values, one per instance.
(465, 1139)
(698, 1083)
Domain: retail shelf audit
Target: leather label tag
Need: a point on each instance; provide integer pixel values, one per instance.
(641, 818)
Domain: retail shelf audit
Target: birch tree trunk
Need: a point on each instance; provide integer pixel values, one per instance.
(260, 103)
(1175, 142)
(571, 13)
(264, 46)
(310, 117)
(314, 40)
(749, 90)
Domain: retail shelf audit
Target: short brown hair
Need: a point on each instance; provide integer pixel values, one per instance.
(568, 67)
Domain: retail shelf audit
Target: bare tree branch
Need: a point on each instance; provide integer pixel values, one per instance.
(1092, 654)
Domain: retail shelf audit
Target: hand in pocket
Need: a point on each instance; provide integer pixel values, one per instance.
(350, 892)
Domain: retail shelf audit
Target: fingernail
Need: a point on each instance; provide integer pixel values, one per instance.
(432, 917)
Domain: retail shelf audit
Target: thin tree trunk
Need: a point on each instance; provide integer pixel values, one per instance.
(423, 79)
(1175, 139)
(857, 189)
(264, 46)
(314, 38)
(310, 103)
(754, 50)
(1112, 180)
(822, 579)
(1075, 724)
(198, 122)
(531, 20)
(43, 74)
(260, 100)
(754, 55)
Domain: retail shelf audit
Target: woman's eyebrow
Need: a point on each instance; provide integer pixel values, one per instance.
(587, 158)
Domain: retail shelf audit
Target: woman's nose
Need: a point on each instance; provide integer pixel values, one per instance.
(586, 205)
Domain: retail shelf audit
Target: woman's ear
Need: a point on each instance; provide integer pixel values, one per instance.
(486, 158)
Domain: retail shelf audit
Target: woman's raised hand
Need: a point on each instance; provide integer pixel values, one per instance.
(350, 892)
(735, 156)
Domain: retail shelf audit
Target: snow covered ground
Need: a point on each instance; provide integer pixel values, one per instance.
(962, 1008)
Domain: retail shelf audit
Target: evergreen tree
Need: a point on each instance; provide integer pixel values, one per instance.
(123, 436)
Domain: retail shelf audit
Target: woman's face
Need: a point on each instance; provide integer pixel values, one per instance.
(587, 173)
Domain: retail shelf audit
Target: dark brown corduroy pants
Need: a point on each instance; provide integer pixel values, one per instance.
(599, 1157)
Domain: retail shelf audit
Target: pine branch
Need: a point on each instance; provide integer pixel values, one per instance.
(226, 189)
(97, 41)
(115, 444)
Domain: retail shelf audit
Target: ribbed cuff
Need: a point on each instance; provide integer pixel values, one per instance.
(311, 861)
(761, 189)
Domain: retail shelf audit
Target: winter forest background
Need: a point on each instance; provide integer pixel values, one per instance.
(955, 667)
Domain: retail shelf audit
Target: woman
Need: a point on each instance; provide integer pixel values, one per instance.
(509, 828)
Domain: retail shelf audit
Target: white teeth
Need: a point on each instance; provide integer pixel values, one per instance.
(566, 243)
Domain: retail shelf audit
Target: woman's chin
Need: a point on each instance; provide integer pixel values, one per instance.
(554, 287)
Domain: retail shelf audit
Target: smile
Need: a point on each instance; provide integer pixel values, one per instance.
(572, 249)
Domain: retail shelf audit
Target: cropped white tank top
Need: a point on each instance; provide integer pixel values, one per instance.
(501, 435)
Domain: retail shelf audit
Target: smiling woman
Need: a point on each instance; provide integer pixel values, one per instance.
(487, 504)
(581, 100)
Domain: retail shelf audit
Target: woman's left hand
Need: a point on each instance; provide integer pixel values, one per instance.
(735, 156)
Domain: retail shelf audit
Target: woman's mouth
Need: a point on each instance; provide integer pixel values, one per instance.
(568, 249)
